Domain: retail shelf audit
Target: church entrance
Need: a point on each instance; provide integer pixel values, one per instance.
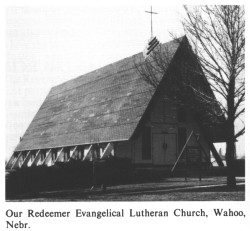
(164, 149)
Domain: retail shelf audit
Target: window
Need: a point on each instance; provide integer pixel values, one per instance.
(146, 143)
(181, 114)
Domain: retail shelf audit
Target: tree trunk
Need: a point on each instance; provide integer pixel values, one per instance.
(230, 150)
(231, 180)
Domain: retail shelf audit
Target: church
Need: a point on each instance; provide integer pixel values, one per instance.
(114, 110)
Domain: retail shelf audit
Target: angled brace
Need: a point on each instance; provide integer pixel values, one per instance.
(26, 160)
(88, 154)
(60, 156)
(73, 153)
(107, 151)
(16, 162)
(11, 161)
(37, 158)
(47, 158)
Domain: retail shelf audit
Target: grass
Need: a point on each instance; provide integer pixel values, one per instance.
(169, 189)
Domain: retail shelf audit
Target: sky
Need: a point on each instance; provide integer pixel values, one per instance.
(46, 46)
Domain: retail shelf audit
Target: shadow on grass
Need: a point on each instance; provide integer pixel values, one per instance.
(125, 192)
(72, 181)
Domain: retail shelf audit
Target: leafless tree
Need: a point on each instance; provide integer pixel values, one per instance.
(179, 67)
(217, 36)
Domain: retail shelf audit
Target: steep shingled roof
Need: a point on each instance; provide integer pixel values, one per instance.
(101, 106)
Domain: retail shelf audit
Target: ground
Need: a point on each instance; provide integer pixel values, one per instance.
(169, 189)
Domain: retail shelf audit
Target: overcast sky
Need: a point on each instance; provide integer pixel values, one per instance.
(46, 46)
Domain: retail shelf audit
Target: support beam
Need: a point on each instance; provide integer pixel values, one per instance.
(11, 161)
(182, 151)
(213, 149)
(48, 157)
(37, 158)
(32, 157)
(107, 151)
(26, 160)
(216, 155)
(72, 153)
(60, 156)
(88, 154)
(16, 161)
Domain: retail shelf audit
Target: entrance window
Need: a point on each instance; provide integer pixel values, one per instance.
(146, 143)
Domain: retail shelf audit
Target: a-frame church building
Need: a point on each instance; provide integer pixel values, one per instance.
(115, 110)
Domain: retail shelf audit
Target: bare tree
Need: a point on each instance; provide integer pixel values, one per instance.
(217, 35)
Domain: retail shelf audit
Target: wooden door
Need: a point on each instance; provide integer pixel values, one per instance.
(164, 149)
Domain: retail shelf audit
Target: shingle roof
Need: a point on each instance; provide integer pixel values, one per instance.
(101, 106)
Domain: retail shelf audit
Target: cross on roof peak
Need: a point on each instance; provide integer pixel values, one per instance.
(151, 12)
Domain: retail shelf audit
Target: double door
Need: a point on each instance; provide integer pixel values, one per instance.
(164, 149)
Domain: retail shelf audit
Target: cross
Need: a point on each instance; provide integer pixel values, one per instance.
(151, 12)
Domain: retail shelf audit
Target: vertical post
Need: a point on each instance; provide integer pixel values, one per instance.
(186, 167)
(80, 153)
(200, 166)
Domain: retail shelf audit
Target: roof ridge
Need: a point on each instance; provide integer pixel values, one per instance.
(112, 64)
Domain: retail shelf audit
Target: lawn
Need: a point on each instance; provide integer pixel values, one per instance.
(169, 189)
